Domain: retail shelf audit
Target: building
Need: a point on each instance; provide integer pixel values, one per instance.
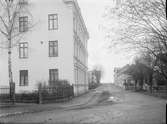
(120, 78)
(92, 77)
(55, 48)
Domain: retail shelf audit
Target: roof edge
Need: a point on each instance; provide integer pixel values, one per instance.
(79, 11)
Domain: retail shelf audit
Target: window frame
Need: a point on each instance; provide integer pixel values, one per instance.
(51, 21)
(23, 2)
(23, 73)
(51, 73)
(55, 47)
(25, 50)
(23, 23)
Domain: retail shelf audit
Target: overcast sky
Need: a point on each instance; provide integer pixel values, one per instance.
(92, 11)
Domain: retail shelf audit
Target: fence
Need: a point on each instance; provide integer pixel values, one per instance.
(160, 91)
(55, 94)
(129, 87)
(7, 94)
(42, 95)
(4, 94)
(27, 97)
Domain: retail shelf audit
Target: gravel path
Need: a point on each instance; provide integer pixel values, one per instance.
(128, 108)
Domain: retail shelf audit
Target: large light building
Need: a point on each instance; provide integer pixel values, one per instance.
(55, 48)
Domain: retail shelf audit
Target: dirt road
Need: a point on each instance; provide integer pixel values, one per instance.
(108, 105)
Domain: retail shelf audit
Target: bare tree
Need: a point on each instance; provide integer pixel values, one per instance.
(98, 72)
(10, 28)
(143, 27)
(141, 70)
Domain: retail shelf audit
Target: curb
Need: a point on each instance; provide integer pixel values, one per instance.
(11, 114)
(60, 107)
(25, 112)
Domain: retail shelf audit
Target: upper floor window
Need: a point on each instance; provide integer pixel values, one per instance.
(75, 24)
(23, 24)
(53, 48)
(23, 50)
(9, 0)
(23, 77)
(75, 48)
(52, 21)
(23, 2)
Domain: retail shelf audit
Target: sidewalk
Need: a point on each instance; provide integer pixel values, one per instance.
(22, 108)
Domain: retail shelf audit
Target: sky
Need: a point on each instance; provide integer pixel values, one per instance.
(99, 53)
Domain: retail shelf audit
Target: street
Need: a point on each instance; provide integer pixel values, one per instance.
(108, 104)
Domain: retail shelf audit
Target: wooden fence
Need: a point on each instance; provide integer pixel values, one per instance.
(160, 91)
(42, 95)
(27, 97)
(55, 94)
(5, 94)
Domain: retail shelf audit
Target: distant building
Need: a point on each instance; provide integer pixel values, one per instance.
(56, 48)
(120, 78)
(92, 77)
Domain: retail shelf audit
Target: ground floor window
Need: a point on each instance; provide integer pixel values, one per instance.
(76, 75)
(53, 75)
(23, 77)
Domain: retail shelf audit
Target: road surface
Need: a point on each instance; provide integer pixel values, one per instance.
(109, 104)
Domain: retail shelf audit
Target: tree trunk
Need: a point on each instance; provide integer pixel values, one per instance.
(151, 82)
(166, 90)
(10, 66)
(166, 86)
(141, 83)
(11, 83)
(10, 61)
(165, 83)
(135, 85)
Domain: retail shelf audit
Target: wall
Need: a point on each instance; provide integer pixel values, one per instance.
(38, 63)
(80, 37)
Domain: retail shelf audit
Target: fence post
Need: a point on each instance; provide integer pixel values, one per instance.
(12, 92)
(62, 90)
(40, 94)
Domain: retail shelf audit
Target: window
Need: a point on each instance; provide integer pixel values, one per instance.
(23, 24)
(9, 0)
(23, 2)
(53, 48)
(75, 24)
(53, 75)
(23, 77)
(52, 22)
(76, 75)
(23, 50)
(75, 48)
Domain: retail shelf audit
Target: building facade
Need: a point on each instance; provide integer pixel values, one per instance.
(55, 48)
(92, 77)
(121, 78)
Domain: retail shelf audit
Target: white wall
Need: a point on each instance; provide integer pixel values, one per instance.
(38, 62)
